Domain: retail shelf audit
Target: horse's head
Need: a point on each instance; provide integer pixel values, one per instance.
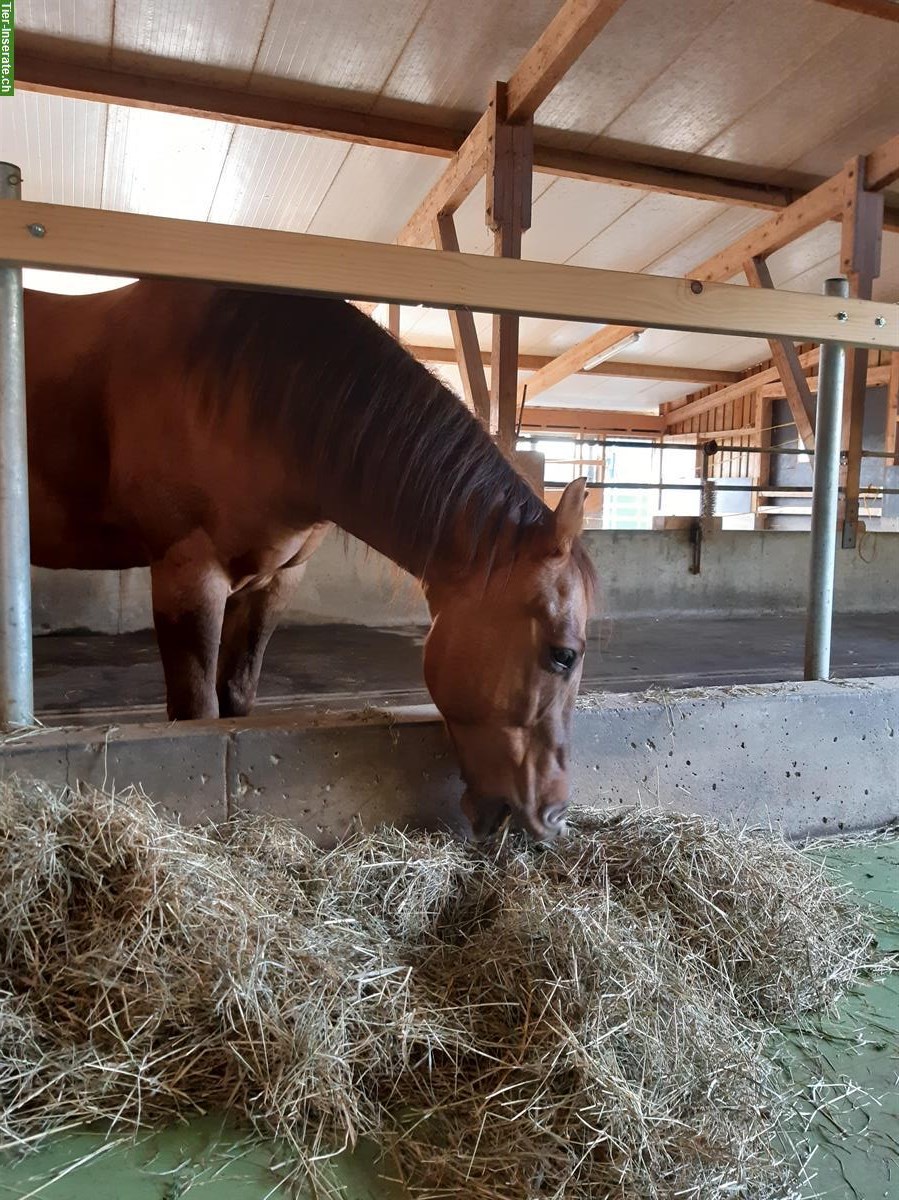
(503, 662)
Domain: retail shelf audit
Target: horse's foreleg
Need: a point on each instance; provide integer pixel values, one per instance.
(189, 596)
(250, 621)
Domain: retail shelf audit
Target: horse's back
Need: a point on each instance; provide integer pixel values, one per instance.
(93, 367)
(143, 422)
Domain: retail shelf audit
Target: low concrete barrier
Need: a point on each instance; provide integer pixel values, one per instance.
(808, 758)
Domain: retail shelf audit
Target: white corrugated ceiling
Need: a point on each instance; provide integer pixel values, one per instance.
(781, 85)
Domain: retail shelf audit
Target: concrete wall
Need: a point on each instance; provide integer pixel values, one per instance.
(807, 758)
(643, 573)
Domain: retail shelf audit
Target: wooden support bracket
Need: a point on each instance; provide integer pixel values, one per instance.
(786, 359)
(465, 335)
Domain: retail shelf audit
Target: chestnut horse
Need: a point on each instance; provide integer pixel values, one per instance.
(216, 434)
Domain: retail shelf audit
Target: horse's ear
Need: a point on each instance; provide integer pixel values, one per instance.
(568, 519)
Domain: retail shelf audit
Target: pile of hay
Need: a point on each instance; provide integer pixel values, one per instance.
(582, 1021)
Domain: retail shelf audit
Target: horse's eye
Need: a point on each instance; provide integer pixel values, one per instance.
(562, 658)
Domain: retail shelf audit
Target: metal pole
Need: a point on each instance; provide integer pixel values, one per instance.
(825, 499)
(16, 679)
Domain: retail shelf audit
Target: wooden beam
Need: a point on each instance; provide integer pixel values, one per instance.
(783, 353)
(465, 169)
(560, 45)
(51, 73)
(709, 435)
(113, 243)
(465, 335)
(808, 212)
(821, 204)
(574, 359)
(393, 320)
(674, 181)
(509, 168)
(882, 165)
(860, 261)
(565, 38)
(592, 420)
(615, 368)
(41, 66)
(891, 433)
(704, 404)
(876, 377)
(887, 10)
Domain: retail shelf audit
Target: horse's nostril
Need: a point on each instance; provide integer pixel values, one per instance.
(554, 817)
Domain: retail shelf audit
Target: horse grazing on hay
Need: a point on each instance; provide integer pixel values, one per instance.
(216, 434)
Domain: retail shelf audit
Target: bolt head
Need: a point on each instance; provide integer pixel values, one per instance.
(880, 322)
(842, 316)
(36, 229)
(695, 287)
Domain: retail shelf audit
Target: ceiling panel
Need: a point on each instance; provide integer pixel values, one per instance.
(644, 232)
(458, 50)
(195, 37)
(603, 391)
(854, 72)
(860, 134)
(569, 214)
(163, 164)
(427, 326)
(59, 145)
(731, 63)
(641, 41)
(725, 225)
(374, 192)
(74, 19)
(275, 180)
(790, 263)
(346, 44)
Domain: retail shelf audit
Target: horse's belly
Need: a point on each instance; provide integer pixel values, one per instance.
(99, 550)
(66, 533)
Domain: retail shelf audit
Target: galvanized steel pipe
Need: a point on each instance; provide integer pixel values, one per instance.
(825, 498)
(16, 677)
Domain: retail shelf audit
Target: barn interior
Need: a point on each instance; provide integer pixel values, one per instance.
(744, 154)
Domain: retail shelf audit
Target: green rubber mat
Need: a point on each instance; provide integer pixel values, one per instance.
(850, 1061)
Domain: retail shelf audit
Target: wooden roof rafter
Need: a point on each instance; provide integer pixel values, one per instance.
(569, 33)
(43, 67)
(823, 203)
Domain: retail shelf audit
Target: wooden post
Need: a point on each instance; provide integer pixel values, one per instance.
(465, 335)
(891, 438)
(393, 320)
(760, 470)
(510, 159)
(860, 261)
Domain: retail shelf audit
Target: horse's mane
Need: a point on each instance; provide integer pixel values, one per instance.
(372, 419)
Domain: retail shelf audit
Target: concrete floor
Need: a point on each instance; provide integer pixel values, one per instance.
(347, 666)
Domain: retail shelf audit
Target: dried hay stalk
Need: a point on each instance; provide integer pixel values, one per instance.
(587, 1020)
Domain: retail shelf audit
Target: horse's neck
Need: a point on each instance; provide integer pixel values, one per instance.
(436, 562)
(362, 517)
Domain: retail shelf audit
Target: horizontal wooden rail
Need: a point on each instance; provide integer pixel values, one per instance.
(83, 239)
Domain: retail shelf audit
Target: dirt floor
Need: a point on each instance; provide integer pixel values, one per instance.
(349, 665)
(854, 1056)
